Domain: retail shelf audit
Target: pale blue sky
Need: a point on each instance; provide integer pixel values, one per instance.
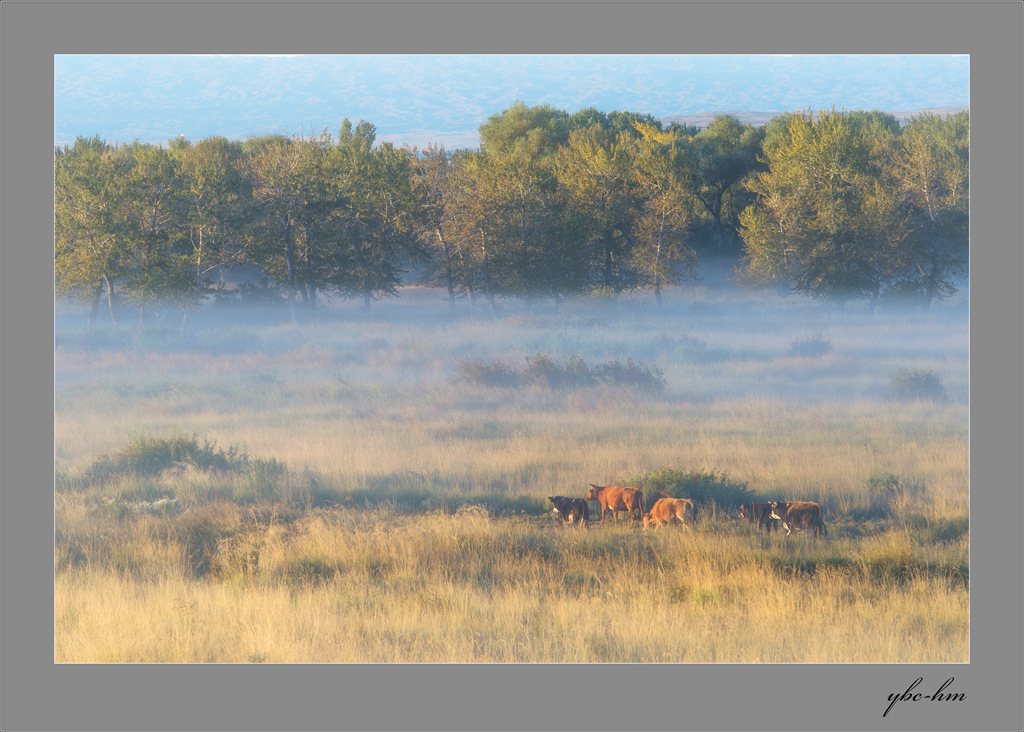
(419, 99)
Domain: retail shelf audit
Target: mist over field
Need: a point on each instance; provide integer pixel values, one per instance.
(311, 468)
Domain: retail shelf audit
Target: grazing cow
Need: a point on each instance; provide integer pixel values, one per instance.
(571, 510)
(759, 513)
(617, 498)
(670, 511)
(794, 514)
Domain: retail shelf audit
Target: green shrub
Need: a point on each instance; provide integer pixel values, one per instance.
(147, 455)
(544, 370)
(908, 385)
(706, 488)
(636, 374)
(478, 371)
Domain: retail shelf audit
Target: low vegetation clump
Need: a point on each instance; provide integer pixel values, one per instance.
(909, 385)
(707, 488)
(148, 455)
(543, 369)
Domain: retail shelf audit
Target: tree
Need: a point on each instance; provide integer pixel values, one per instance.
(376, 214)
(595, 174)
(213, 203)
(294, 196)
(810, 225)
(725, 153)
(158, 270)
(662, 255)
(931, 169)
(431, 191)
(90, 220)
(528, 256)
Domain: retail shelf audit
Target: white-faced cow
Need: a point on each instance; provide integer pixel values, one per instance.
(795, 514)
(617, 498)
(571, 510)
(758, 513)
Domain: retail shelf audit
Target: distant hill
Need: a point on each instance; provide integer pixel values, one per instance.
(702, 119)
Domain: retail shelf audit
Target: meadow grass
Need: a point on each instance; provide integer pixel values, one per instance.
(387, 512)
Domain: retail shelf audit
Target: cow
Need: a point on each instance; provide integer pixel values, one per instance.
(571, 510)
(794, 514)
(670, 511)
(759, 513)
(617, 498)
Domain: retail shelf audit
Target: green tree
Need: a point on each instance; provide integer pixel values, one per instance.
(931, 169)
(213, 203)
(528, 256)
(595, 174)
(159, 268)
(724, 154)
(90, 222)
(294, 196)
(448, 190)
(811, 225)
(377, 214)
(662, 255)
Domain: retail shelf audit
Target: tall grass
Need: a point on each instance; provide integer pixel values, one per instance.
(375, 585)
(332, 491)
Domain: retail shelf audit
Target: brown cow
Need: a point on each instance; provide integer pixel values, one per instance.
(794, 514)
(617, 498)
(670, 511)
(761, 513)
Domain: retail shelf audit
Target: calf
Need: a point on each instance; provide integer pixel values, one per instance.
(670, 511)
(571, 510)
(760, 513)
(794, 514)
(617, 498)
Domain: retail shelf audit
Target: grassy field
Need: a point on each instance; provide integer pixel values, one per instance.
(352, 489)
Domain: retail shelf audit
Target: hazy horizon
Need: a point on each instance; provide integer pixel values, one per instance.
(424, 99)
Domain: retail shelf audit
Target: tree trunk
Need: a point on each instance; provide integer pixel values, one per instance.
(450, 280)
(110, 302)
(94, 308)
(488, 285)
(608, 264)
(289, 256)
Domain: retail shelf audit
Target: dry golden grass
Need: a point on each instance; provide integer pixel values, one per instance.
(381, 568)
(374, 586)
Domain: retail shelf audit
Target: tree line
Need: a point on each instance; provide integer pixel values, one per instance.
(838, 205)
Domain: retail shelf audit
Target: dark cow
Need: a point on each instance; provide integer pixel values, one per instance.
(794, 514)
(670, 511)
(571, 510)
(617, 498)
(759, 513)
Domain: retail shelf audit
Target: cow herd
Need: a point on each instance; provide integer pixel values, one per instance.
(680, 511)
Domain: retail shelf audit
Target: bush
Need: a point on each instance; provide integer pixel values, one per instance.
(495, 373)
(146, 455)
(704, 487)
(908, 385)
(813, 347)
(543, 370)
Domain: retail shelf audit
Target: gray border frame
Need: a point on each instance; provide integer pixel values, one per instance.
(38, 694)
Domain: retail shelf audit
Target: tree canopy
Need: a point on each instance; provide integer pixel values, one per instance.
(837, 205)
